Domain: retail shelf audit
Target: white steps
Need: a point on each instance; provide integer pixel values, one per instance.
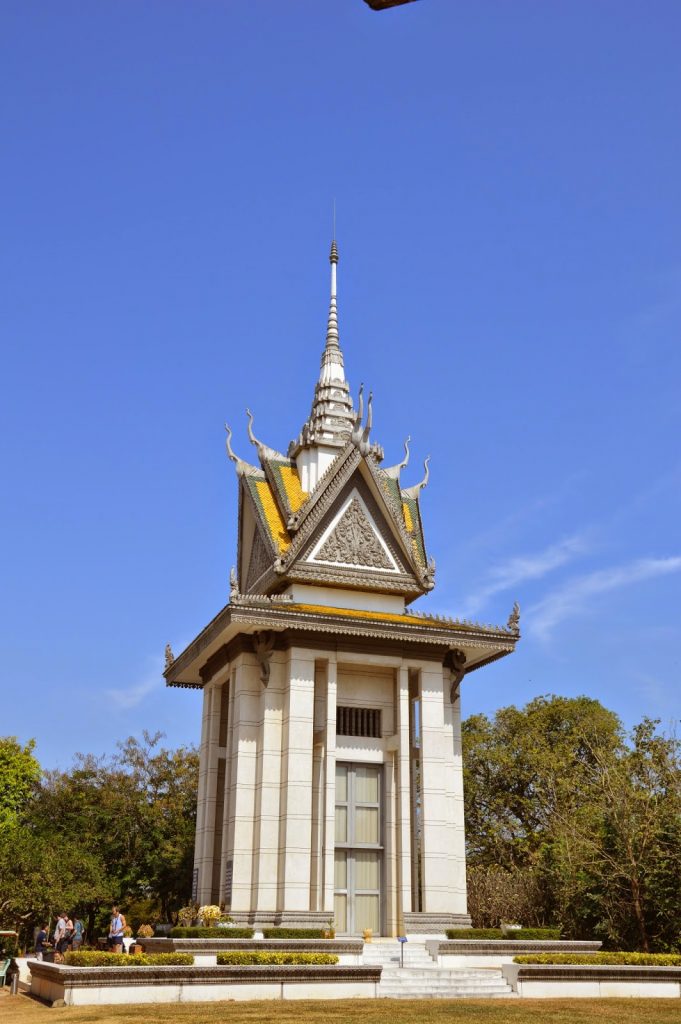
(421, 978)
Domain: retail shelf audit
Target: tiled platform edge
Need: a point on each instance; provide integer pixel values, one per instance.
(560, 981)
(496, 952)
(82, 986)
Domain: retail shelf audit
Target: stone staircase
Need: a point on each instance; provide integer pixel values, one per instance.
(421, 978)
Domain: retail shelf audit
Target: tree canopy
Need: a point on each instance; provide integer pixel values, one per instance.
(569, 820)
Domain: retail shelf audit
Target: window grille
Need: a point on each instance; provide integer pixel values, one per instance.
(358, 722)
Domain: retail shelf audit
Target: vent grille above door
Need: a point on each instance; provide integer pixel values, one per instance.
(358, 722)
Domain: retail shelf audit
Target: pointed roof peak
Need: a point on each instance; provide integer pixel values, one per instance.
(332, 416)
(332, 358)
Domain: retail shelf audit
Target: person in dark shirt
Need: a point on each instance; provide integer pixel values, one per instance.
(41, 942)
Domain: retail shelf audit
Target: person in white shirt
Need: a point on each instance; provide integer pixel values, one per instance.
(59, 930)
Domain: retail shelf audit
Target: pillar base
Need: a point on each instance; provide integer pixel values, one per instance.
(282, 918)
(434, 925)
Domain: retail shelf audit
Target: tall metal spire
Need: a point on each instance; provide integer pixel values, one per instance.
(331, 417)
(332, 357)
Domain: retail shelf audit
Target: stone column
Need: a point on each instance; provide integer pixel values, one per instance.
(455, 800)
(442, 905)
(389, 882)
(330, 784)
(201, 798)
(268, 790)
(242, 774)
(208, 839)
(403, 797)
(296, 804)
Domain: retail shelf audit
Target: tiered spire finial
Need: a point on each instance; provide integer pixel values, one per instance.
(331, 418)
(332, 357)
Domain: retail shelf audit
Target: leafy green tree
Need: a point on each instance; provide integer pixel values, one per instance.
(560, 803)
(135, 814)
(19, 776)
(625, 848)
(525, 765)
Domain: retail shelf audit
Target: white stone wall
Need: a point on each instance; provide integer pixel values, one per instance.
(280, 756)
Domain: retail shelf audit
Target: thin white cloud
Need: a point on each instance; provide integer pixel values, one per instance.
(573, 597)
(128, 697)
(525, 567)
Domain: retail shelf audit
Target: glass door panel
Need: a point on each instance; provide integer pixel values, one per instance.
(359, 852)
(367, 913)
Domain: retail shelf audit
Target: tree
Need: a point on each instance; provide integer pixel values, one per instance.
(524, 766)
(19, 776)
(134, 813)
(628, 845)
(560, 803)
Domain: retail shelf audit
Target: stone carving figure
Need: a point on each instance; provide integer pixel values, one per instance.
(456, 661)
(170, 657)
(263, 645)
(514, 619)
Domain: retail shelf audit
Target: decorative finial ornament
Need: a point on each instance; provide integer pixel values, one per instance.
(251, 436)
(364, 445)
(356, 436)
(233, 583)
(170, 657)
(426, 467)
(413, 492)
(394, 471)
(228, 445)
(405, 461)
(514, 619)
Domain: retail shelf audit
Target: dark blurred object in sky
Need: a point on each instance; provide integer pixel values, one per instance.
(382, 5)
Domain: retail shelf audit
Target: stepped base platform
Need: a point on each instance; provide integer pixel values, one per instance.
(422, 978)
(467, 953)
(82, 986)
(204, 951)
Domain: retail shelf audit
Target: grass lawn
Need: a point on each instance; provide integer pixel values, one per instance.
(22, 1010)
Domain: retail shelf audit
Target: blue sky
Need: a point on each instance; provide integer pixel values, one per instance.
(507, 183)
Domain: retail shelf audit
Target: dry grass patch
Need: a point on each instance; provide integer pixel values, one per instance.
(22, 1010)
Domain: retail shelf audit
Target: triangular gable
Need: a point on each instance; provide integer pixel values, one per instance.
(353, 540)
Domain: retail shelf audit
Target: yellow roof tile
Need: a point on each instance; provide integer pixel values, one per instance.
(275, 523)
(410, 620)
(294, 492)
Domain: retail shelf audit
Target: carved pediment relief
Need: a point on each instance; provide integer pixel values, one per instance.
(260, 561)
(353, 540)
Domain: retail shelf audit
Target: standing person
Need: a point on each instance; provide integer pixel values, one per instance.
(78, 934)
(59, 930)
(41, 942)
(116, 930)
(65, 940)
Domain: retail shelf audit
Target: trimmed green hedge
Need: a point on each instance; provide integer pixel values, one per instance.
(613, 959)
(526, 934)
(293, 933)
(275, 958)
(211, 933)
(536, 934)
(98, 958)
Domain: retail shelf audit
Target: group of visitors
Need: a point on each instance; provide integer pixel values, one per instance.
(69, 933)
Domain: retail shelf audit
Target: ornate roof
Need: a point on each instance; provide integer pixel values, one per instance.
(291, 623)
(356, 526)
